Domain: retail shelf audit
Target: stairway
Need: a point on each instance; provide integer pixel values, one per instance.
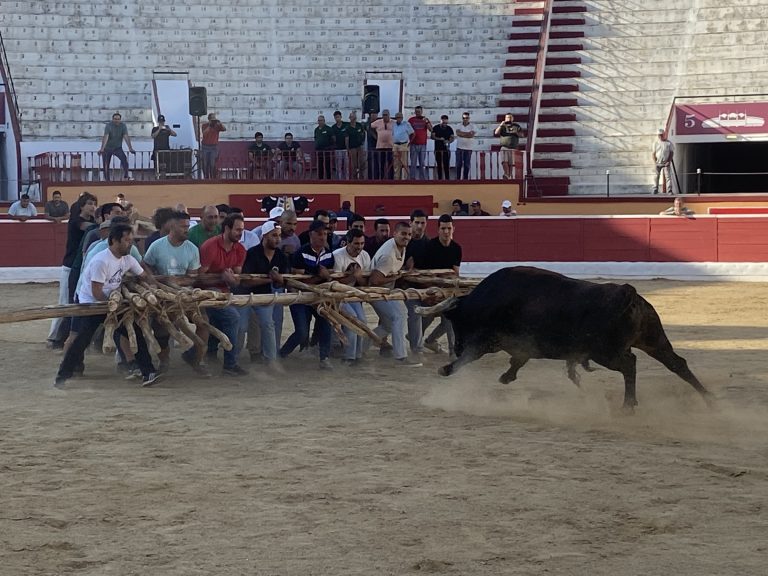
(555, 135)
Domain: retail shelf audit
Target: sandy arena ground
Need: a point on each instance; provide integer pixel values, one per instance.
(384, 471)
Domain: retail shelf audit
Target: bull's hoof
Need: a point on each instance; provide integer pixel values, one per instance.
(506, 378)
(628, 408)
(445, 370)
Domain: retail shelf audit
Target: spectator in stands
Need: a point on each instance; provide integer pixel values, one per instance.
(476, 209)
(22, 209)
(314, 259)
(291, 158)
(346, 209)
(324, 148)
(393, 315)
(56, 209)
(259, 158)
(209, 145)
(103, 275)
(320, 216)
(264, 258)
(507, 210)
(402, 133)
(112, 145)
(663, 153)
(356, 221)
(208, 227)
(340, 133)
(161, 137)
(163, 220)
(175, 255)
(383, 153)
(442, 253)
(421, 129)
(358, 163)
(381, 233)
(509, 133)
(458, 208)
(370, 144)
(465, 143)
(81, 217)
(678, 208)
(443, 135)
(353, 261)
(224, 255)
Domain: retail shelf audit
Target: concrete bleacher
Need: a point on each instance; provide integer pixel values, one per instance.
(270, 67)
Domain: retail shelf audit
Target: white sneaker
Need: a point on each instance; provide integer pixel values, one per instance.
(408, 363)
(325, 364)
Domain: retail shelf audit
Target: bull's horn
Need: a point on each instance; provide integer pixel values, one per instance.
(447, 304)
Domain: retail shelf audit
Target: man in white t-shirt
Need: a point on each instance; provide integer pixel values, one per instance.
(22, 209)
(663, 151)
(101, 277)
(353, 261)
(393, 315)
(465, 143)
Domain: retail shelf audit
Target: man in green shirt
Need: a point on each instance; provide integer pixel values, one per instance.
(358, 160)
(324, 145)
(208, 227)
(341, 141)
(112, 145)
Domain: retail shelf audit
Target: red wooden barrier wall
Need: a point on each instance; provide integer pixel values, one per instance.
(528, 239)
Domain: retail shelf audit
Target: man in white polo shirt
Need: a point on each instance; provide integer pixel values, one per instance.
(22, 209)
(353, 261)
(393, 314)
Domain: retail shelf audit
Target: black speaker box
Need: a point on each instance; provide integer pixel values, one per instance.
(198, 101)
(370, 99)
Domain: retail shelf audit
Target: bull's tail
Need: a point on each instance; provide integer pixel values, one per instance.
(652, 340)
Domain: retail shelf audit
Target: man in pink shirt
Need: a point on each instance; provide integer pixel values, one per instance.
(421, 129)
(382, 168)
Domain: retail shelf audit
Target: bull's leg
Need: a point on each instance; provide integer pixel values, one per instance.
(573, 375)
(468, 354)
(626, 363)
(665, 354)
(515, 363)
(585, 364)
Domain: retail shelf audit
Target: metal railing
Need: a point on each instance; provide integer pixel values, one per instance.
(372, 165)
(7, 78)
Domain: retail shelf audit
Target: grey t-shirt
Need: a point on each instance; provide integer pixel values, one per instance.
(114, 133)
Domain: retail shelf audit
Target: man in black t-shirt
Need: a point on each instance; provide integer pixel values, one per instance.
(264, 258)
(161, 136)
(509, 133)
(291, 158)
(81, 217)
(259, 158)
(442, 252)
(340, 131)
(443, 135)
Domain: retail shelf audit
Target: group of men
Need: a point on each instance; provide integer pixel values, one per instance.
(214, 252)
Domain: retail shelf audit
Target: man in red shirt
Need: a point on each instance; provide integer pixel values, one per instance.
(421, 129)
(209, 146)
(223, 254)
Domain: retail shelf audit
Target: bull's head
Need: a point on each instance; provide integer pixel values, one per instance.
(268, 202)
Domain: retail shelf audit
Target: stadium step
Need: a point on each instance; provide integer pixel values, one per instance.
(525, 89)
(519, 75)
(548, 186)
(554, 132)
(551, 164)
(567, 22)
(560, 74)
(524, 36)
(558, 102)
(561, 88)
(562, 60)
(564, 47)
(565, 34)
(526, 23)
(547, 147)
(567, 9)
(563, 117)
(527, 63)
(527, 49)
(515, 103)
(528, 11)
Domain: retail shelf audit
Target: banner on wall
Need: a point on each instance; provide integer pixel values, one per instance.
(723, 118)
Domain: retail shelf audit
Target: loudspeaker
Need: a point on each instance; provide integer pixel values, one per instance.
(370, 99)
(198, 101)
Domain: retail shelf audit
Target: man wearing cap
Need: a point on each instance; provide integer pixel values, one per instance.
(507, 210)
(475, 209)
(264, 258)
(161, 135)
(314, 259)
(353, 261)
(275, 216)
(393, 315)
(663, 152)
(402, 133)
(383, 153)
(320, 216)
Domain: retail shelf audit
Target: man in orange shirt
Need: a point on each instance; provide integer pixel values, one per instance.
(209, 147)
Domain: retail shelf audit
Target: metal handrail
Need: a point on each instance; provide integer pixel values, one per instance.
(13, 101)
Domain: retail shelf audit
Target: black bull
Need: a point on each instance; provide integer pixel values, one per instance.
(533, 313)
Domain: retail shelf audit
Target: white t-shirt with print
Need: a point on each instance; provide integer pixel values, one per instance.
(342, 260)
(107, 270)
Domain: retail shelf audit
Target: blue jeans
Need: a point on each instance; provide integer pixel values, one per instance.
(354, 348)
(415, 333)
(228, 321)
(418, 156)
(120, 153)
(463, 163)
(302, 316)
(277, 317)
(266, 326)
(394, 320)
